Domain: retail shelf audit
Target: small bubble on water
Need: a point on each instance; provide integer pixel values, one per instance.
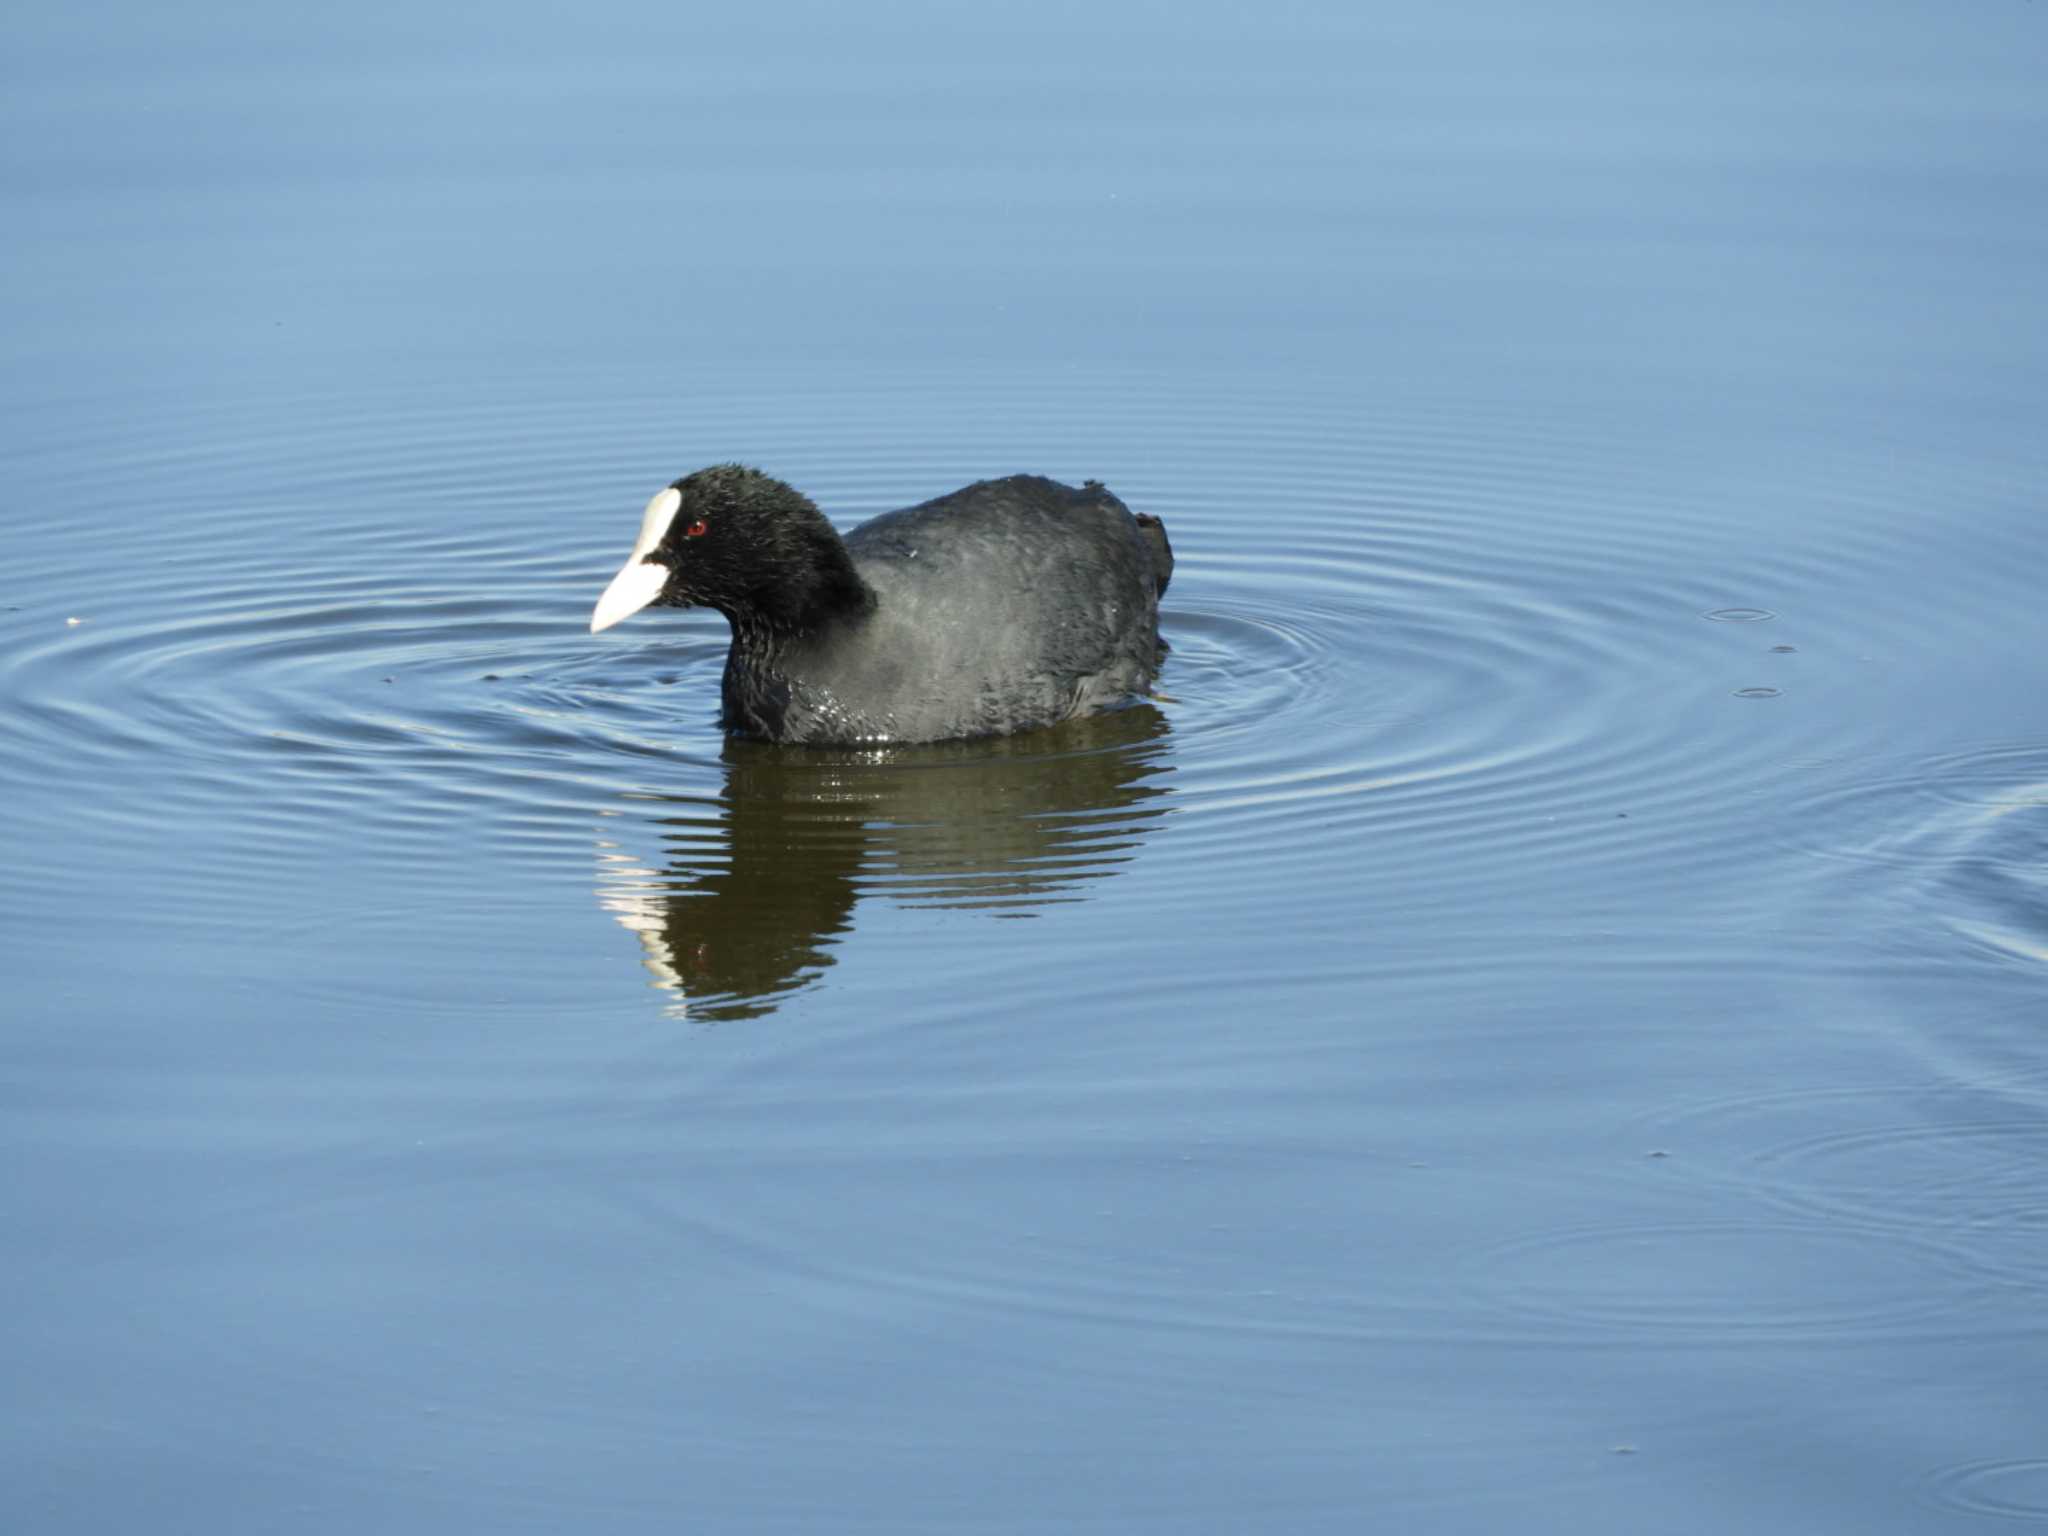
(1756, 693)
(1738, 615)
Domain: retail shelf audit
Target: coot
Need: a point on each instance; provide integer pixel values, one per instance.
(1007, 605)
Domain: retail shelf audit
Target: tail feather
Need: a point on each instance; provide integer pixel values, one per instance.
(1154, 532)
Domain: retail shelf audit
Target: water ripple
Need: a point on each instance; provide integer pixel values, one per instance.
(1955, 845)
(1957, 1165)
(2014, 1489)
(1718, 1282)
(1379, 639)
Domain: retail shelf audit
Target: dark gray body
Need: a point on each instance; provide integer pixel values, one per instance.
(1007, 605)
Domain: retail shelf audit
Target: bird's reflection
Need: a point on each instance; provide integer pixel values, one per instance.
(743, 893)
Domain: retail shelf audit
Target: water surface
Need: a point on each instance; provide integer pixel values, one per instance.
(1538, 1027)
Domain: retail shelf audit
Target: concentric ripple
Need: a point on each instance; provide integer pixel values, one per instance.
(1409, 629)
(1956, 1166)
(1719, 1283)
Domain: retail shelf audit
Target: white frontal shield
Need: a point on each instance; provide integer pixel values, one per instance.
(640, 580)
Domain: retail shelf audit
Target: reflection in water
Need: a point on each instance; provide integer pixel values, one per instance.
(751, 888)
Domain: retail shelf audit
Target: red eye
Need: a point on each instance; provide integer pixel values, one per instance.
(697, 530)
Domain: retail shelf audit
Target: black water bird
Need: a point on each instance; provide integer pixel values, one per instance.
(1005, 606)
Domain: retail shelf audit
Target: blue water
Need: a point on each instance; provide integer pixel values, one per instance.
(1538, 1028)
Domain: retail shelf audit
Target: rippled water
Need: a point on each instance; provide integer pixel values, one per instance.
(1538, 1025)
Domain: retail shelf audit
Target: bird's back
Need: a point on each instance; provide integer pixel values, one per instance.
(1008, 604)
